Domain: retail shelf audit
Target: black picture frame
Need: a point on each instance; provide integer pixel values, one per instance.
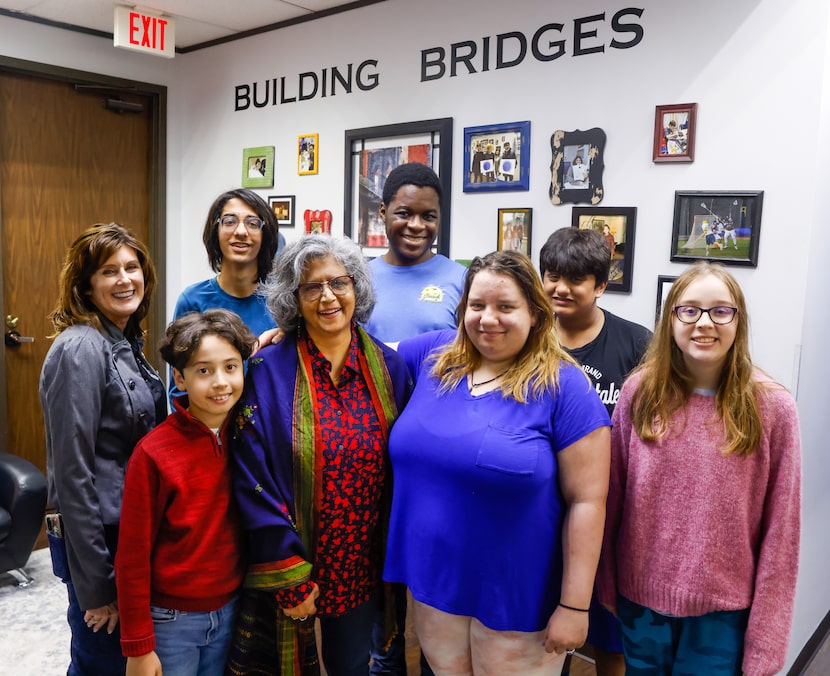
(675, 129)
(582, 187)
(705, 222)
(664, 283)
(283, 207)
(370, 153)
(485, 144)
(619, 223)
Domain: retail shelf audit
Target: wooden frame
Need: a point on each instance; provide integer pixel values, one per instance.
(675, 128)
(486, 169)
(283, 208)
(618, 226)
(258, 167)
(576, 166)
(664, 283)
(514, 230)
(724, 226)
(308, 154)
(370, 153)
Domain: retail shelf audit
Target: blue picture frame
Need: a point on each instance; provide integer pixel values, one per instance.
(497, 157)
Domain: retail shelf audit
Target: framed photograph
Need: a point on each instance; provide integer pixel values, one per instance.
(258, 167)
(576, 166)
(617, 225)
(317, 221)
(497, 157)
(514, 230)
(283, 208)
(714, 225)
(371, 153)
(664, 284)
(308, 146)
(674, 133)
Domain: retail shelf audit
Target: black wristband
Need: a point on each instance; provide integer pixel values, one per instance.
(578, 610)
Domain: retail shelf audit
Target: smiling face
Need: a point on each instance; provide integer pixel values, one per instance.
(704, 344)
(572, 298)
(412, 217)
(117, 287)
(240, 246)
(497, 318)
(213, 380)
(329, 316)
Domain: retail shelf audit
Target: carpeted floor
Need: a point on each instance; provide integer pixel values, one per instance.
(33, 631)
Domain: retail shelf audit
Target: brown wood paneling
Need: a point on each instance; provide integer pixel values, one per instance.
(66, 162)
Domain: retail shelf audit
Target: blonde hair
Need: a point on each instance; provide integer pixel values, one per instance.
(536, 367)
(667, 384)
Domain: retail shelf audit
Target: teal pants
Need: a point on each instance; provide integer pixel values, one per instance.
(662, 645)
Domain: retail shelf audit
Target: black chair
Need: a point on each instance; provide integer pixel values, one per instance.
(22, 508)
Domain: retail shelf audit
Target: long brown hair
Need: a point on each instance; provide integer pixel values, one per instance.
(537, 365)
(90, 250)
(667, 384)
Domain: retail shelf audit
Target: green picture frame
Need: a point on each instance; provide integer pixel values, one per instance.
(258, 167)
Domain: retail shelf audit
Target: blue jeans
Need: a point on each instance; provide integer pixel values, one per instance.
(193, 644)
(347, 639)
(91, 653)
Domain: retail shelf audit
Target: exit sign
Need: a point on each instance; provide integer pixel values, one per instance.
(143, 31)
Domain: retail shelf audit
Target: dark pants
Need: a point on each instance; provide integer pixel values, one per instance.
(657, 644)
(347, 639)
(392, 662)
(92, 654)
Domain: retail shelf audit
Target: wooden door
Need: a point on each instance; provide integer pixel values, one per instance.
(66, 162)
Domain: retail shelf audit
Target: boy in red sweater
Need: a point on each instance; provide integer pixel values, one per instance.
(179, 563)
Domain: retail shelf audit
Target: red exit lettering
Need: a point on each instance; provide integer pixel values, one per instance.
(147, 31)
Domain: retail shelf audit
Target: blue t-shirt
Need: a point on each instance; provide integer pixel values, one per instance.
(414, 299)
(208, 295)
(477, 512)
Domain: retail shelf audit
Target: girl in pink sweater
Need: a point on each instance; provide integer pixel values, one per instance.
(700, 554)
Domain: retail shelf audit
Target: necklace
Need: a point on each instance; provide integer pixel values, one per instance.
(486, 382)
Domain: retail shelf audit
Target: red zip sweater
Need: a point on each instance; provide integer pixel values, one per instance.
(179, 544)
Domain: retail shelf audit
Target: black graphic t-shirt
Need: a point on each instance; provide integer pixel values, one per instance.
(611, 356)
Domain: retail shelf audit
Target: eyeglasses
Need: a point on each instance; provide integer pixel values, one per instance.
(339, 286)
(690, 314)
(231, 222)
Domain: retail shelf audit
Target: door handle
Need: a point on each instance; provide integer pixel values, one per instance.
(14, 339)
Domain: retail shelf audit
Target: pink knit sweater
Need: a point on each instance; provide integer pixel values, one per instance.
(690, 531)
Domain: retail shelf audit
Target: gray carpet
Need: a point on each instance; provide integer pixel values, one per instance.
(34, 635)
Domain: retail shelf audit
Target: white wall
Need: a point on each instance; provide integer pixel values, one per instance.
(736, 60)
(757, 68)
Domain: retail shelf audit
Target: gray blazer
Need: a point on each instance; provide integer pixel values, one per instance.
(99, 397)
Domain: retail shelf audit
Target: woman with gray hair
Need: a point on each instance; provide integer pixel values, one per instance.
(312, 471)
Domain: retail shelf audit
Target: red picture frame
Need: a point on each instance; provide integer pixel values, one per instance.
(675, 128)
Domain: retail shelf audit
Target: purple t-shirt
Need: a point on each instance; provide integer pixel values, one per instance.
(477, 512)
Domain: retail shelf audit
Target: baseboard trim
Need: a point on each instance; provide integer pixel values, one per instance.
(808, 652)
